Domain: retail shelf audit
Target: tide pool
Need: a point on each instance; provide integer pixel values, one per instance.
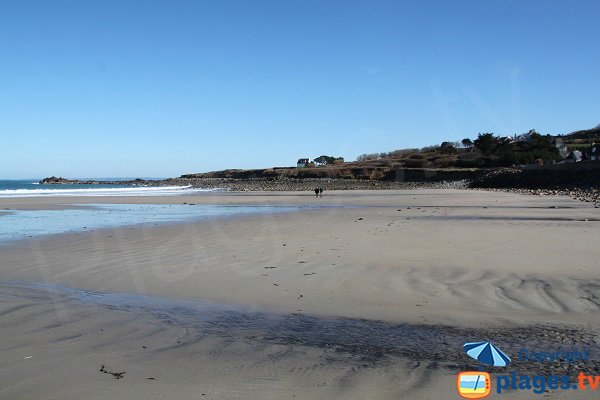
(20, 224)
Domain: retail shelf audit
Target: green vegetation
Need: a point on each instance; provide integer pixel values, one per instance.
(578, 146)
(487, 150)
(328, 160)
(527, 149)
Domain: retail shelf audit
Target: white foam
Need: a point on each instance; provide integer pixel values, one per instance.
(126, 191)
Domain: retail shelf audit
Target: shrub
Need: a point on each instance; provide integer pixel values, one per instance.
(412, 163)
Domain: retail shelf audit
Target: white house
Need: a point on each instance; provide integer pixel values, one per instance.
(574, 156)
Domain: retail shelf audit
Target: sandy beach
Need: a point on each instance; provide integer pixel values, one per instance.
(273, 306)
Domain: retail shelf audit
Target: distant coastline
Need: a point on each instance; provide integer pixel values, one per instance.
(280, 183)
(53, 180)
(576, 180)
(521, 162)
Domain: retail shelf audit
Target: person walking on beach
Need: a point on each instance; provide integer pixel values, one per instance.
(321, 192)
(317, 192)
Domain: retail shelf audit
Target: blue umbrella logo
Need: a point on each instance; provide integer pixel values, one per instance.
(487, 353)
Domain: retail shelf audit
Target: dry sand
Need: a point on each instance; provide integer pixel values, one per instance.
(473, 261)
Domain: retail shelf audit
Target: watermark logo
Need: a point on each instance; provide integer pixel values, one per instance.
(474, 385)
(477, 384)
(487, 353)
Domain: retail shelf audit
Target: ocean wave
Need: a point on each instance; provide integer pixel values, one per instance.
(126, 191)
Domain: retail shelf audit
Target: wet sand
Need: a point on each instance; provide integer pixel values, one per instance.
(406, 264)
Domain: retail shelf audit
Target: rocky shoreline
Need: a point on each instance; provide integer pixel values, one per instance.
(288, 185)
(590, 195)
(580, 181)
(585, 194)
(262, 184)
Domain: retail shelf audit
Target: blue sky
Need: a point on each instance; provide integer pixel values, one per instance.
(162, 88)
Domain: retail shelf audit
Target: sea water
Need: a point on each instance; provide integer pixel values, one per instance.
(20, 224)
(32, 188)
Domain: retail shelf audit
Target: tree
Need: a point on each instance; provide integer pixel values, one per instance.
(447, 148)
(367, 157)
(468, 143)
(505, 151)
(325, 160)
(486, 143)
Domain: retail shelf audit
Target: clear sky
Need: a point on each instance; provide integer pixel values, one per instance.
(162, 88)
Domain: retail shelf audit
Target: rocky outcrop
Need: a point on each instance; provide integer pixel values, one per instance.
(53, 180)
(580, 181)
(559, 176)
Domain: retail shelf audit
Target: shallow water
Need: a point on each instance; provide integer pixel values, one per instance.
(370, 341)
(18, 224)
